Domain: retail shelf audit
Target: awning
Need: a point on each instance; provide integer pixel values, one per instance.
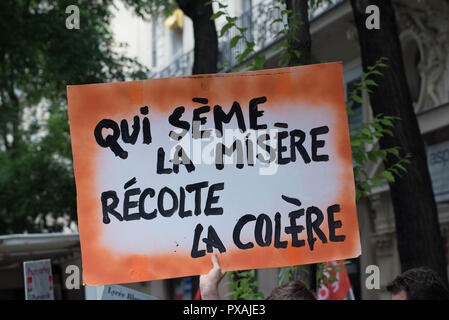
(20, 247)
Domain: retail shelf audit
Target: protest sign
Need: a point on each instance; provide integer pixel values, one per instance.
(340, 288)
(255, 166)
(116, 292)
(38, 280)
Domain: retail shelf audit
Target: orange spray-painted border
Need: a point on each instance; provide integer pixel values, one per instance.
(317, 85)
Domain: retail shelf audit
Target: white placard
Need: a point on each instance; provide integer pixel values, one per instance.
(117, 292)
(38, 280)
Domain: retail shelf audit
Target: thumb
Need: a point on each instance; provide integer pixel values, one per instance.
(215, 261)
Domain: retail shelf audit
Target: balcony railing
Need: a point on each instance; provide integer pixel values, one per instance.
(260, 30)
(179, 67)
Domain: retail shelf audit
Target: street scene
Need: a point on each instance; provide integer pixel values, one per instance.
(234, 150)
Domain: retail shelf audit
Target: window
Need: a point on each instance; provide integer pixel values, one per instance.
(438, 161)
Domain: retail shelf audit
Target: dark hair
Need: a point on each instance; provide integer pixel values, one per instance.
(420, 284)
(294, 290)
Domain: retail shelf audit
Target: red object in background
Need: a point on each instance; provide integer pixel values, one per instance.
(50, 280)
(338, 290)
(29, 283)
(197, 295)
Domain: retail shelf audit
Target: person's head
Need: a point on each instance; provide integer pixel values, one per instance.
(294, 290)
(418, 284)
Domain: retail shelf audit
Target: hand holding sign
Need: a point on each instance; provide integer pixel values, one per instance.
(209, 282)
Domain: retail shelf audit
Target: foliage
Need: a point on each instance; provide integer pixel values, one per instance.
(287, 273)
(145, 9)
(288, 34)
(364, 140)
(257, 62)
(326, 274)
(39, 57)
(244, 285)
